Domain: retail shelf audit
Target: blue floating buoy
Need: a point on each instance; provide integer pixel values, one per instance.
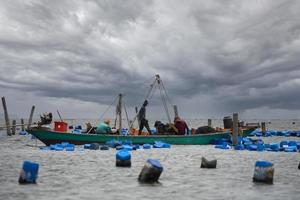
(64, 144)
(252, 147)
(113, 143)
(104, 147)
(239, 147)
(23, 133)
(263, 172)
(79, 127)
(123, 158)
(87, 146)
(127, 147)
(94, 146)
(119, 147)
(29, 172)
(151, 171)
(147, 146)
(292, 143)
(70, 147)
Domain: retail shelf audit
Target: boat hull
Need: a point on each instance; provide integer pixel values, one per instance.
(51, 137)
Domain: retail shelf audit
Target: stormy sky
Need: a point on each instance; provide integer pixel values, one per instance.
(215, 57)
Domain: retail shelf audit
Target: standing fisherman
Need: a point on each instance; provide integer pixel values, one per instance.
(143, 122)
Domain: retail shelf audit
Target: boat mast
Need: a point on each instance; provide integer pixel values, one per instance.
(120, 112)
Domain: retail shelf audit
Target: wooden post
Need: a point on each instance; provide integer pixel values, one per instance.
(263, 127)
(22, 124)
(175, 111)
(120, 112)
(30, 117)
(209, 122)
(6, 116)
(235, 130)
(13, 130)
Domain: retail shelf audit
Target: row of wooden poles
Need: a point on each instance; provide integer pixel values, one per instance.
(11, 129)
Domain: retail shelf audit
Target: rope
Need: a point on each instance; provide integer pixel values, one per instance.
(114, 101)
(164, 103)
(126, 116)
(147, 95)
(169, 99)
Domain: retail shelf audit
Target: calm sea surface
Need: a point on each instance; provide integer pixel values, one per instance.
(85, 174)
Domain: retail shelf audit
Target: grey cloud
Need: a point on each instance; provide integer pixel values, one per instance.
(239, 54)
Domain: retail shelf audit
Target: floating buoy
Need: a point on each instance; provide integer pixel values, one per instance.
(113, 143)
(70, 147)
(147, 146)
(151, 171)
(64, 144)
(29, 172)
(123, 158)
(263, 172)
(127, 147)
(119, 147)
(208, 164)
(94, 146)
(23, 133)
(104, 147)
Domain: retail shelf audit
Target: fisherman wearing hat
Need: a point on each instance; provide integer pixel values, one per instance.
(104, 127)
(143, 122)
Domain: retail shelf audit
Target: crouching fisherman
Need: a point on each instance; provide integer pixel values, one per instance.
(104, 127)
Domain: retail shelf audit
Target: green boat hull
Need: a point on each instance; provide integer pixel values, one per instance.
(51, 137)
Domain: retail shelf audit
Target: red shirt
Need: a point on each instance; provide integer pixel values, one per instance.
(181, 126)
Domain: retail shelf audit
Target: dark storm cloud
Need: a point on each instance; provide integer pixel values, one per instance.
(241, 54)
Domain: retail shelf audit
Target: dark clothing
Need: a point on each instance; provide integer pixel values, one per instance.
(142, 113)
(205, 129)
(144, 123)
(181, 127)
(160, 127)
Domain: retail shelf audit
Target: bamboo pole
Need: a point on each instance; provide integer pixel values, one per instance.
(263, 127)
(30, 117)
(22, 124)
(59, 116)
(120, 112)
(209, 122)
(175, 110)
(235, 130)
(6, 116)
(13, 128)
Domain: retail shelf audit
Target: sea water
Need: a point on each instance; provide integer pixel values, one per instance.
(85, 174)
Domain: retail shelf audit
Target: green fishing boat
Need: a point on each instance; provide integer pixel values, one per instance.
(51, 137)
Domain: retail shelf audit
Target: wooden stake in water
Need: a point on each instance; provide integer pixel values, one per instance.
(13, 129)
(30, 117)
(235, 130)
(6, 116)
(209, 122)
(175, 110)
(22, 124)
(263, 127)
